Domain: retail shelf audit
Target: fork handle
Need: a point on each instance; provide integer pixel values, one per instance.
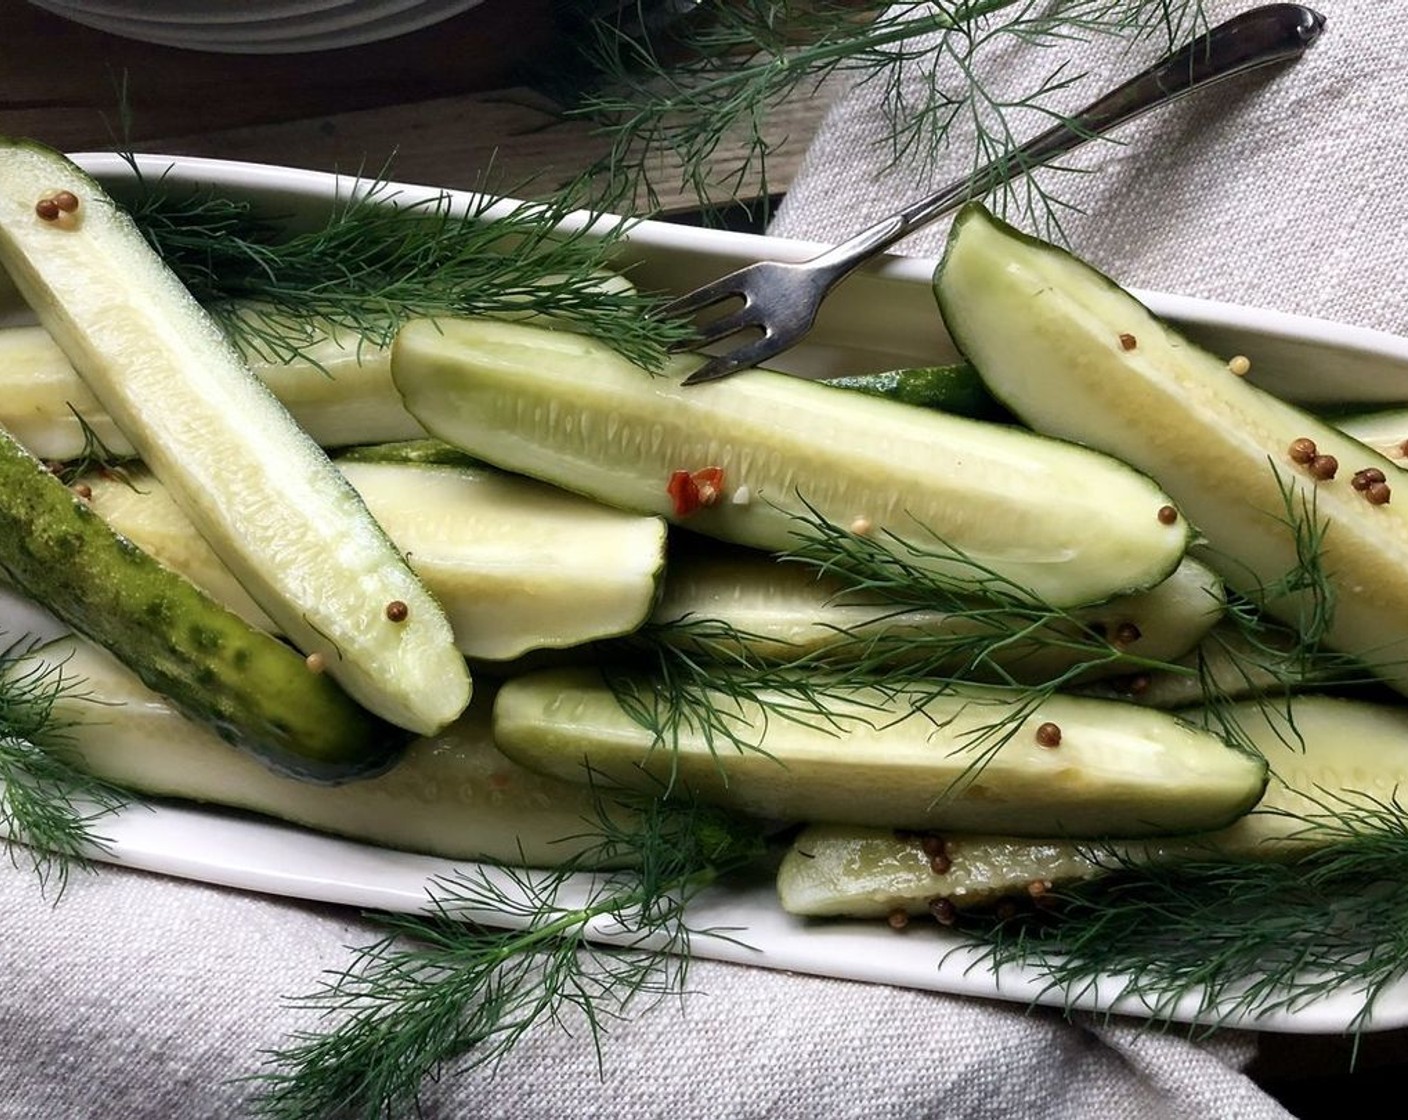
(1274, 33)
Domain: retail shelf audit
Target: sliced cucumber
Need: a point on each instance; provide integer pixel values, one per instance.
(339, 391)
(452, 795)
(1074, 355)
(1336, 748)
(784, 611)
(1059, 522)
(253, 690)
(257, 488)
(1385, 431)
(1118, 770)
(514, 564)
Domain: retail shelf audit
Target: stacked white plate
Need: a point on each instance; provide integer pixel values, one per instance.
(257, 26)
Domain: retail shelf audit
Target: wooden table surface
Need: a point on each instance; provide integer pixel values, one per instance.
(437, 106)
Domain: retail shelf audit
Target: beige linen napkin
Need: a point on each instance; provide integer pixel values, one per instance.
(137, 996)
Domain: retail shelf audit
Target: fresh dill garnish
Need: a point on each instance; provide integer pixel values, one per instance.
(48, 805)
(1239, 939)
(443, 989)
(379, 260)
(94, 455)
(680, 94)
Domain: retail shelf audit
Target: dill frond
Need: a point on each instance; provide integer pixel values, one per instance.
(48, 806)
(444, 989)
(682, 94)
(1233, 940)
(380, 260)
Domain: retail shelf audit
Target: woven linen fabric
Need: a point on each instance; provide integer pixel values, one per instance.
(140, 996)
(1282, 189)
(136, 996)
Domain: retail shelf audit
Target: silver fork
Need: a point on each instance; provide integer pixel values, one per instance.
(781, 299)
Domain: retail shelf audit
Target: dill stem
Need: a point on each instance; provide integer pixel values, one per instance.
(817, 55)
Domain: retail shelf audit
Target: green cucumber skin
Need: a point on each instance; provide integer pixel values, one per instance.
(955, 388)
(1217, 443)
(256, 486)
(1116, 772)
(253, 690)
(1060, 522)
(1339, 747)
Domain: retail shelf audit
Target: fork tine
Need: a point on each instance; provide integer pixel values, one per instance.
(739, 358)
(693, 302)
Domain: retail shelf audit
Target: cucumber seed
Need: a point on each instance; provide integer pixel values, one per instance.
(1048, 735)
(1126, 634)
(47, 210)
(397, 611)
(316, 663)
(1128, 342)
(940, 864)
(861, 527)
(1167, 515)
(1302, 451)
(66, 201)
(1378, 494)
(898, 919)
(1240, 365)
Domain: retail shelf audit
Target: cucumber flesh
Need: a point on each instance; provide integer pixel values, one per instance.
(1090, 363)
(785, 611)
(339, 391)
(1341, 747)
(256, 487)
(253, 690)
(452, 795)
(1059, 522)
(1118, 770)
(489, 546)
(1385, 432)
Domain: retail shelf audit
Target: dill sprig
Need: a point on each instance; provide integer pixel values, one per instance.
(445, 989)
(680, 94)
(379, 260)
(1238, 939)
(94, 455)
(47, 804)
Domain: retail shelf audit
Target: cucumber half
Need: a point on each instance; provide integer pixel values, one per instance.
(1046, 519)
(252, 689)
(1330, 748)
(257, 488)
(452, 795)
(899, 760)
(1073, 354)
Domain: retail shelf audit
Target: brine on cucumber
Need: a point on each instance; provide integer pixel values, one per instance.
(758, 458)
(262, 493)
(1274, 490)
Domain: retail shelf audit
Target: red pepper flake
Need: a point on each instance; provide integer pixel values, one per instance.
(691, 492)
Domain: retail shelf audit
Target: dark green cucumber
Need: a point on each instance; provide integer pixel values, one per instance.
(254, 484)
(979, 502)
(250, 688)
